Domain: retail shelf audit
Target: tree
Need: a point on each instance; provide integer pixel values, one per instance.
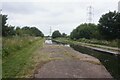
(87, 31)
(19, 31)
(74, 34)
(27, 31)
(56, 34)
(36, 32)
(7, 30)
(64, 35)
(109, 25)
(4, 26)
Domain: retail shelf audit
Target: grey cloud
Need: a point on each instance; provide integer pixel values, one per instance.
(21, 8)
(64, 16)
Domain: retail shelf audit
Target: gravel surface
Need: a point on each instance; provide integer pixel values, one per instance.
(71, 64)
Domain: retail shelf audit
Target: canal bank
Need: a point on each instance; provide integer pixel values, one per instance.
(110, 61)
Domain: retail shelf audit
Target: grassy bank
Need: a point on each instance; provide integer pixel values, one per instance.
(112, 43)
(93, 43)
(17, 56)
(10, 45)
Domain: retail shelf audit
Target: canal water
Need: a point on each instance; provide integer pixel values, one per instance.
(110, 61)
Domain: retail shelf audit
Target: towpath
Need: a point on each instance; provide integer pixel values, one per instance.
(64, 62)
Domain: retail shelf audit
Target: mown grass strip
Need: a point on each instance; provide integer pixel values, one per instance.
(14, 65)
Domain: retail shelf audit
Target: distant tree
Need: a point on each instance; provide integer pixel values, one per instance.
(87, 31)
(26, 31)
(64, 35)
(18, 31)
(56, 34)
(36, 32)
(11, 31)
(74, 34)
(109, 25)
(33, 31)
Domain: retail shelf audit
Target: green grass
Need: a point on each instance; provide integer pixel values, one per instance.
(112, 43)
(92, 43)
(19, 63)
(14, 44)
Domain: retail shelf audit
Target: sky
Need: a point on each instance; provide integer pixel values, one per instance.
(62, 15)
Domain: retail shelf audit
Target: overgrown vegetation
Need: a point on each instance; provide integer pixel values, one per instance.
(15, 44)
(19, 63)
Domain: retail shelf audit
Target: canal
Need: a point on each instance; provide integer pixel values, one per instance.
(110, 61)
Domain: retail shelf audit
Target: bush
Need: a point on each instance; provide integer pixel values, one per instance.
(56, 34)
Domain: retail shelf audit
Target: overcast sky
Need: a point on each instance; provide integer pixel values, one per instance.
(62, 15)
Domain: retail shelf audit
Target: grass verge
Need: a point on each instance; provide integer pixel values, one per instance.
(68, 41)
(20, 64)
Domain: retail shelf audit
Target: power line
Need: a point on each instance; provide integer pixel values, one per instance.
(50, 30)
(119, 6)
(90, 14)
(0, 11)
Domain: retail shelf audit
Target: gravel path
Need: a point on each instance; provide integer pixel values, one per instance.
(68, 63)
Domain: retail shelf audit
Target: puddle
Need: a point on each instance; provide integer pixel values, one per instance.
(56, 43)
(48, 41)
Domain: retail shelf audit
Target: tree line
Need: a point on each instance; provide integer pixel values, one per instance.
(24, 31)
(57, 34)
(108, 28)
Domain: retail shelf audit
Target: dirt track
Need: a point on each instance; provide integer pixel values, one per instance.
(68, 63)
